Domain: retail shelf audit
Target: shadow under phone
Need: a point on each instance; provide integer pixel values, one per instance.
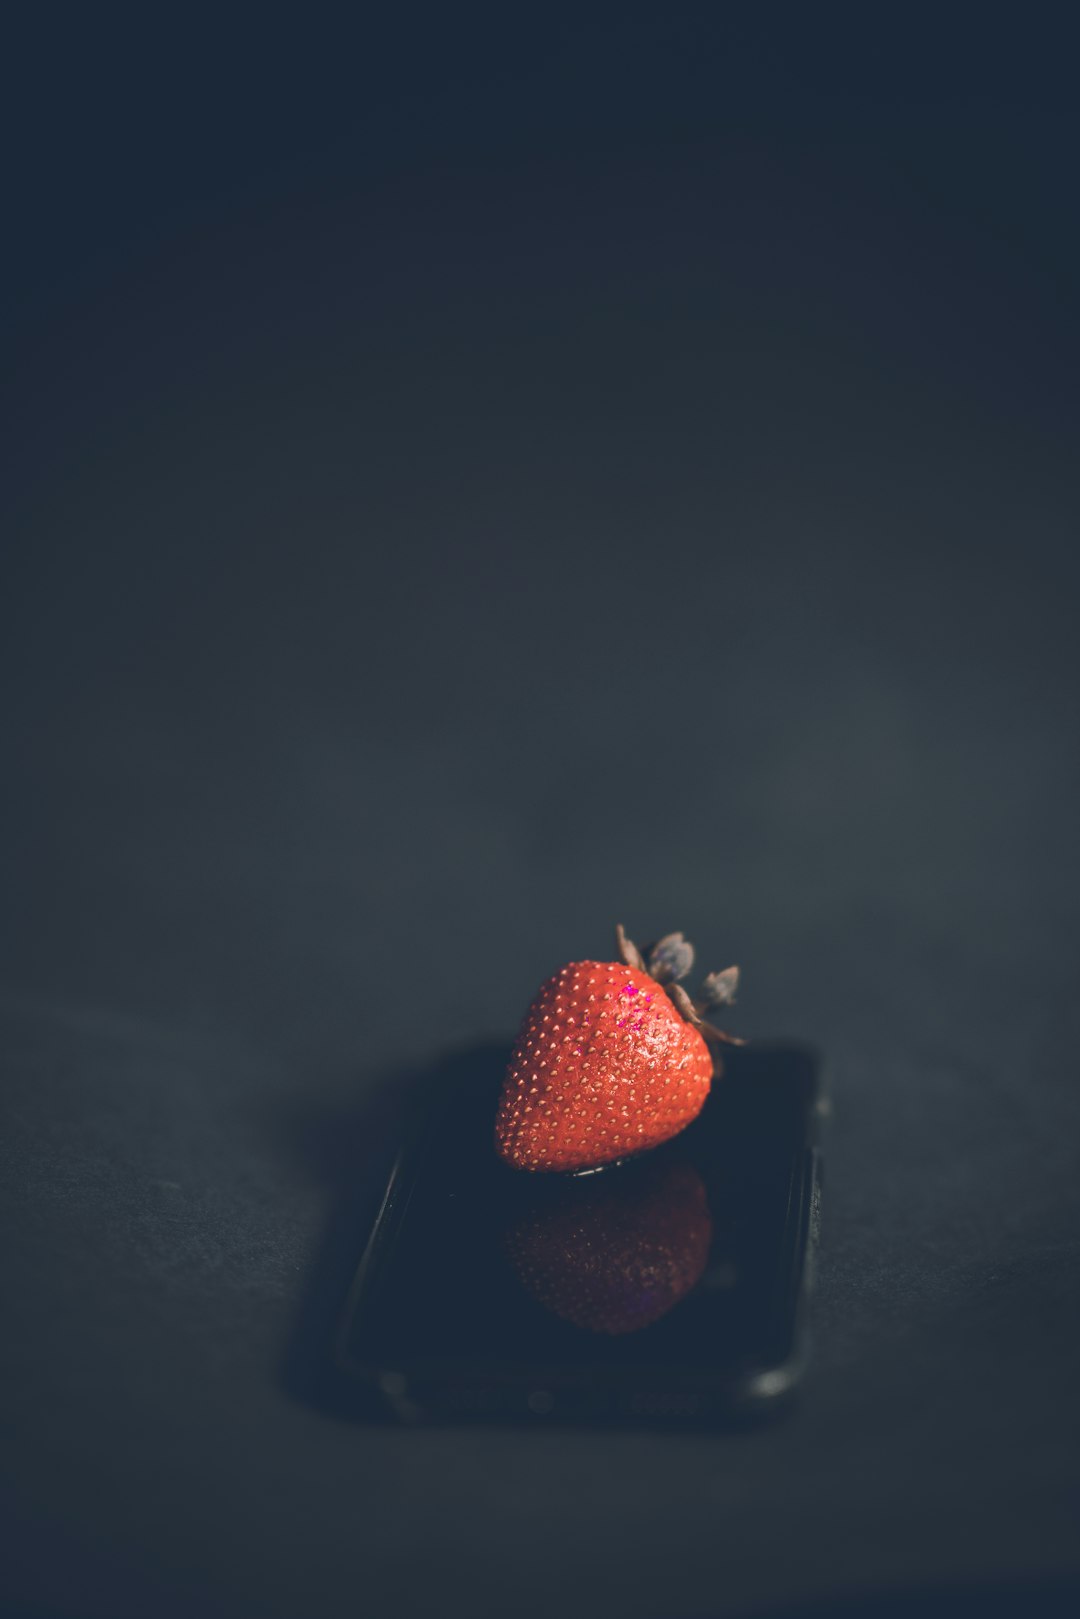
(669, 1288)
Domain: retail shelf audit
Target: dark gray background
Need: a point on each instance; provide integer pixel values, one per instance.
(468, 483)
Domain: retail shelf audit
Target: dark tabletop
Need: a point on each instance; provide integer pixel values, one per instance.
(460, 494)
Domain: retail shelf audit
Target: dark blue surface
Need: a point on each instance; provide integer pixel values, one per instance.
(462, 491)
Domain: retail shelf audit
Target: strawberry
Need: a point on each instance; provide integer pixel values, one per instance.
(611, 1059)
(615, 1256)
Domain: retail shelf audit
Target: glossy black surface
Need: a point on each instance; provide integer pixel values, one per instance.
(445, 1316)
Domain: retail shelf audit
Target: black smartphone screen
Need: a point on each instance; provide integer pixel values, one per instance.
(669, 1287)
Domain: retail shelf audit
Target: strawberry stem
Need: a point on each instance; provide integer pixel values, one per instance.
(670, 959)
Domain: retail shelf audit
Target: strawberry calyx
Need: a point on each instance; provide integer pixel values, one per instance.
(668, 961)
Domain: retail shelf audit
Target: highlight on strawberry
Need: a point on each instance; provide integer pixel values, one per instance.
(612, 1059)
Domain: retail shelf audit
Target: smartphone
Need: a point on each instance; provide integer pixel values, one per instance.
(667, 1289)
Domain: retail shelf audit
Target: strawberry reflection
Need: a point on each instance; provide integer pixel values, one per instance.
(614, 1254)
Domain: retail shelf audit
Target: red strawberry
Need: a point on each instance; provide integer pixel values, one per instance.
(616, 1255)
(611, 1060)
